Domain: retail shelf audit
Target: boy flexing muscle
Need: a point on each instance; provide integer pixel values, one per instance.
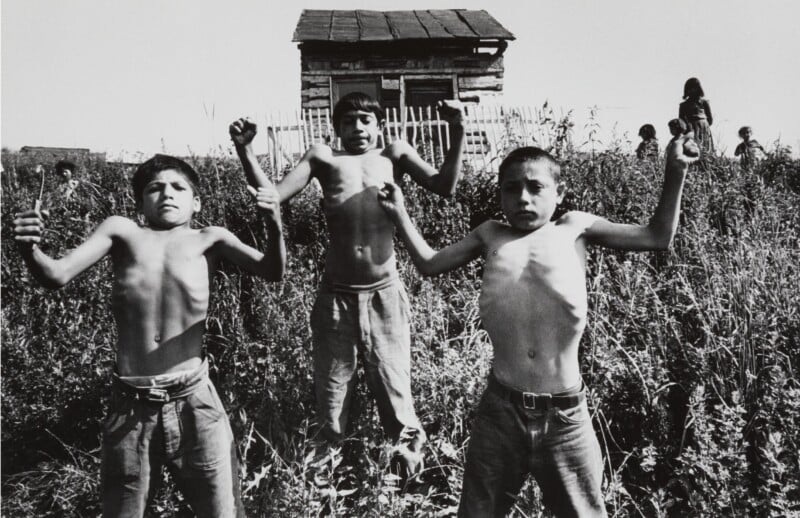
(533, 417)
(361, 306)
(164, 409)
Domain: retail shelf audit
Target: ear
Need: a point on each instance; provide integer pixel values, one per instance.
(196, 205)
(561, 191)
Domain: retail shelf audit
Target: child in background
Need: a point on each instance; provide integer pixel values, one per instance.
(648, 147)
(164, 409)
(533, 417)
(362, 308)
(749, 149)
(696, 112)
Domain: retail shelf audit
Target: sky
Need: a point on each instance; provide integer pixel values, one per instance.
(153, 76)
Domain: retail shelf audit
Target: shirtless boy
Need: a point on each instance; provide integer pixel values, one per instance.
(362, 306)
(164, 409)
(533, 417)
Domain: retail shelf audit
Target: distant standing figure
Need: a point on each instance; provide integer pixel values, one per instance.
(648, 147)
(696, 112)
(750, 150)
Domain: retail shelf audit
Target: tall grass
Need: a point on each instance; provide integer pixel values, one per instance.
(690, 354)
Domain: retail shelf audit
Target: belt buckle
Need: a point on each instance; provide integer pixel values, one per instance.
(529, 400)
(157, 395)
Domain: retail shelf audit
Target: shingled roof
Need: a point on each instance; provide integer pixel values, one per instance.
(361, 25)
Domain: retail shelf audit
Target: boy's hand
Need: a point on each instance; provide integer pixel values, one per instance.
(267, 201)
(391, 199)
(452, 111)
(29, 227)
(242, 131)
(681, 152)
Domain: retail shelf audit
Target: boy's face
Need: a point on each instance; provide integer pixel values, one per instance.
(746, 134)
(359, 131)
(169, 200)
(529, 194)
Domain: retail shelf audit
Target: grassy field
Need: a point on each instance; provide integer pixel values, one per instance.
(690, 355)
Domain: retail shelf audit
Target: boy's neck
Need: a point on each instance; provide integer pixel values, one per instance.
(173, 229)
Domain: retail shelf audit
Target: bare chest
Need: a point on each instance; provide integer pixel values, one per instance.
(355, 180)
(160, 266)
(541, 270)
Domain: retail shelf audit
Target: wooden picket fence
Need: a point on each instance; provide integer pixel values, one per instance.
(491, 130)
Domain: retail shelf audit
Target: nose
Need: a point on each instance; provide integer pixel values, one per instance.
(524, 197)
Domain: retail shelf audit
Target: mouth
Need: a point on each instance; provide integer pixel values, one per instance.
(167, 206)
(525, 214)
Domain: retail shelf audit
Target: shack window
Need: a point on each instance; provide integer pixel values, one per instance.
(428, 92)
(344, 86)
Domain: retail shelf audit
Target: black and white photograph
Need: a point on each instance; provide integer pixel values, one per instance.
(349, 258)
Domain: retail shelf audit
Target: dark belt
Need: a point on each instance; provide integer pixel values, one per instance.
(159, 394)
(534, 401)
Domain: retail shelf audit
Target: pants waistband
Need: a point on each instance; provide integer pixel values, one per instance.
(534, 401)
(355, 289)
(164, 393)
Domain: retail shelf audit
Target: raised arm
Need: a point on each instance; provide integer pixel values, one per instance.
(55, 273)
(242, 133)
(658, 233)
(270, 264)
(445, 180)
(427, 260)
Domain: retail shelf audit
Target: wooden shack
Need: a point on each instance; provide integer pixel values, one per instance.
(401, 58)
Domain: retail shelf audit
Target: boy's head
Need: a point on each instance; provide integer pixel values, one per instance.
(165, 189)
(677, 127)
(530, 187)
(692, 88)
(745, 132)
(358, 120)
(647, 132)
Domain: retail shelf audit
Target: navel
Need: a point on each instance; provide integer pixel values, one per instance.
(157, 337)
(531, 354)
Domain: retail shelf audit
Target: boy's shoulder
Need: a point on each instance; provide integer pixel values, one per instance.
(118, 225)
(398, 149)
(492, 227)
(319, 151)
(214, 231)
(577, 220)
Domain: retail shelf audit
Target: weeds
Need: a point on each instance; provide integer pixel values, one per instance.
(690, 354)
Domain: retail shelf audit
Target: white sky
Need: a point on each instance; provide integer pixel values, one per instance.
(151, 75)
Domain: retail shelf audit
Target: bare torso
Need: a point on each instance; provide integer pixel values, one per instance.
(160, 297)
(533, 304)
(361, 249)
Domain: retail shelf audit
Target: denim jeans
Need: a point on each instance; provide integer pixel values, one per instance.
(190, 435)
(557, 446)
(374, 322)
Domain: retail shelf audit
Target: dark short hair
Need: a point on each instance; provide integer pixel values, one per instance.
(357, 101)
(148, 170)
(680, 123)
(692, 84)
(743, 128)
(529, 153)
(647, 131)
